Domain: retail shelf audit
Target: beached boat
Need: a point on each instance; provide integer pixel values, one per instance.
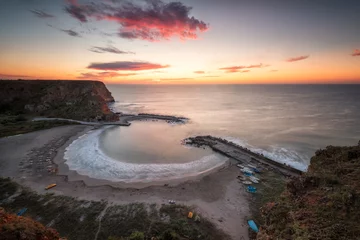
(50, 186)
(253, 179)
(240, 165)
(247, 182)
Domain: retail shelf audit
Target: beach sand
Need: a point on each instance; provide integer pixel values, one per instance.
(30, 159)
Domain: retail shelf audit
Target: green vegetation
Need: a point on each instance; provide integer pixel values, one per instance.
(81, 100)
(324, 203)
(19, 124)
(79, 219)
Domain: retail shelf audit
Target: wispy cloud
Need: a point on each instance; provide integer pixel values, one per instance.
(175, 79)
(299, 58)
(356, 53)
(71, 33)
(10, 76)
(199, 72)
(102, 75)
(152, 21)
(274, 70)
(126, 66)
(41, 14)
(109, 49)
(234, 69)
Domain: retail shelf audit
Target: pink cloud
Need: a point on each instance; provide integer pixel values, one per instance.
(126, 66)
(356, 53)
(199, 72)
(234, 69)
(153, 21)
(102, 75)
(299, 58)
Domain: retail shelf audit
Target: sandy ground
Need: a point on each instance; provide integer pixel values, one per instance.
(31, 159)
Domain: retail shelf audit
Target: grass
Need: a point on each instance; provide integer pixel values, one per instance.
(20, 124)
(324, 203)
(79, 219)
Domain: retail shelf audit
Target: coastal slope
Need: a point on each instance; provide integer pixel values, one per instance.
(323, 203)
(81, 100)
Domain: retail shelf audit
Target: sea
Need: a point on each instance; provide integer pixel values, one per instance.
(286, 123)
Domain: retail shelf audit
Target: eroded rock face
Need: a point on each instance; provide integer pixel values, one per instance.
(83, 100)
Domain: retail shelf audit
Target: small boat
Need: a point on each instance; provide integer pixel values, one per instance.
(251, 166)
(253, 226)
(50, 186)
(21, 212)
(247, 174)
(253, 180)
(256, 178)
(240, 165)
(251, 189)
(247, 182)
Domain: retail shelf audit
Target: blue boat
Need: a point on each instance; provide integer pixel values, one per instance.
(251, 189)
(253, 226)
(21, 212)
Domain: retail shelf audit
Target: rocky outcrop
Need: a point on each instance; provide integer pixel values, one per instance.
(82, 100)
(324, 203)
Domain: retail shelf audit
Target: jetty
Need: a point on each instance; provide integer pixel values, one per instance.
(240, 154)
(124, 119)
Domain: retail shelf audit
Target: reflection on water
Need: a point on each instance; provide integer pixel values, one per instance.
(142, 153)
(149, 142)
(288, 122)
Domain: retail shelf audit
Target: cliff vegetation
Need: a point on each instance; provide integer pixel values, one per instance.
(323, 203)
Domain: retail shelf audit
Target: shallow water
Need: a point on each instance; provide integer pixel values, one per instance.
(287, 123)
(144, 152)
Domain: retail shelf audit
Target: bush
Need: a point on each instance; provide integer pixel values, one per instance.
(169, 235)
(137, 236)
(20, 118)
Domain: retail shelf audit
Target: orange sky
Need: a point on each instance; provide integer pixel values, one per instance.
(237, 43)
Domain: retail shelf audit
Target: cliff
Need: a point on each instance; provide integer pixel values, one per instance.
(82, 100)
(324, 203)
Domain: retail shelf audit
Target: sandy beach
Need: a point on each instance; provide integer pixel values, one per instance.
(30, 159)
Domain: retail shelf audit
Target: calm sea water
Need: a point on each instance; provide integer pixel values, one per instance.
(285, 122)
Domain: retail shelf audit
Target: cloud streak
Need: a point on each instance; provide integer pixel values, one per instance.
(199, 72)
(299, 58)
(126, 66)
(234, 69)
(41, 14)
(71, 33)
(109, 49)
(102, 75)
(152, 21)
(356, 53)
(10, 76)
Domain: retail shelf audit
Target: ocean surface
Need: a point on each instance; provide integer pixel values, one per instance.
(287, 123)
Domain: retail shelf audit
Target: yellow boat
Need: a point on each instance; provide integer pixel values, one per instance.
(50, 186)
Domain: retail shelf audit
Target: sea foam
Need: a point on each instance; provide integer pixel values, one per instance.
(85, 156)
(278, 154)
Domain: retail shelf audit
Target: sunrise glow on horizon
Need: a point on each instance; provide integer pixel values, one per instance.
(186, 42)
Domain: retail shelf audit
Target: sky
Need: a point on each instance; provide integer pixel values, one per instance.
(181, 42)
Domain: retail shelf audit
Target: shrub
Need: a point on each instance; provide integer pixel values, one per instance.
(137, 236)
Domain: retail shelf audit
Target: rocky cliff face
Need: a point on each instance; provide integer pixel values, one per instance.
(83, 100)
(324, 203)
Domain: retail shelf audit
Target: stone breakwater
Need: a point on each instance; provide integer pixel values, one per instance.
(239, 153)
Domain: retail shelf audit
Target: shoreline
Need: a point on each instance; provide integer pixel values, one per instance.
(216, 196)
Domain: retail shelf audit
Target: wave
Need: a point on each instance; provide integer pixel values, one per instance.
(85, 157)
(279, 154)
